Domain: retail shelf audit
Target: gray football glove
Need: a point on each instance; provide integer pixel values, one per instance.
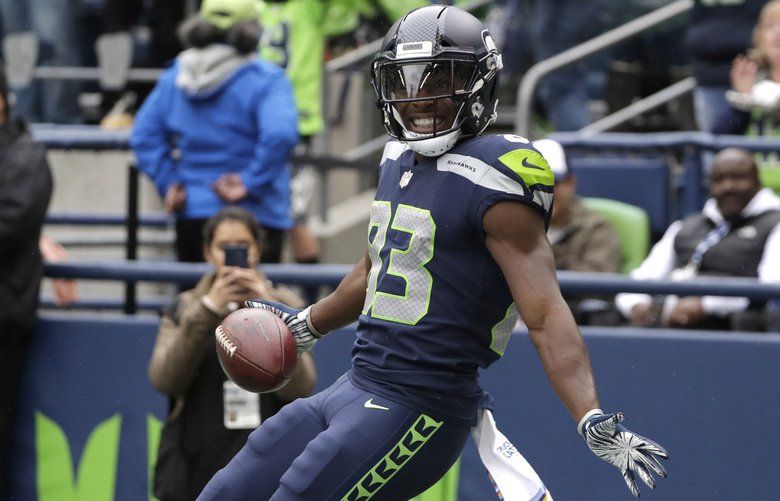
(297, 321)
(632, 454)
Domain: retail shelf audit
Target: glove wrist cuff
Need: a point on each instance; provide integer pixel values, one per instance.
(586, 418)
(306, 315)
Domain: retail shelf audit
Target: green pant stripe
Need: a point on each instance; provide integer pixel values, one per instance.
(413, 440)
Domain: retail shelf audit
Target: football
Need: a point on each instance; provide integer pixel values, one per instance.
(256, 350)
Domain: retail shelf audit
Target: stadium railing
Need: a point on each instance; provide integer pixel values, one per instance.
(331, 274)
(682, 150)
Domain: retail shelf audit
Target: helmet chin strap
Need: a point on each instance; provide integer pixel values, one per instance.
(433, 146)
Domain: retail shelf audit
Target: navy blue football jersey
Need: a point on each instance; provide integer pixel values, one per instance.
(437, 306)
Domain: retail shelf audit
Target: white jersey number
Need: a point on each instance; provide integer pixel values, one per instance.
(408, 264)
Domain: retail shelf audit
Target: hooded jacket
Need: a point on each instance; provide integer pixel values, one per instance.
(216, 112)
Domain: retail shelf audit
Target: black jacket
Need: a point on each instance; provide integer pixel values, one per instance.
(25, 190)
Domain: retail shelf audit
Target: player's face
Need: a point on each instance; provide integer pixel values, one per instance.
(231, 232)
(433, 86)
(733, 183)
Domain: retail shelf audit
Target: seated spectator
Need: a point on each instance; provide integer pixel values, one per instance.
(755, 81)
(582, 240)
(218, 129)
(737, 234)
(200, 436)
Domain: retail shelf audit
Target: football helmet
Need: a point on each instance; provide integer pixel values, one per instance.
(440, 58)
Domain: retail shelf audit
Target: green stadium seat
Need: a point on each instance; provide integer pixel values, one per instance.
(632, 226)
(770, 177)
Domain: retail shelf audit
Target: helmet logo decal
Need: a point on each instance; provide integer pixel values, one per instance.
(415, 49)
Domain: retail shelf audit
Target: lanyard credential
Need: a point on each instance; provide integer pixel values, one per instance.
(708, 242)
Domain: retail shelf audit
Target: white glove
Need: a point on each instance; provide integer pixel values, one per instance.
(632, 454)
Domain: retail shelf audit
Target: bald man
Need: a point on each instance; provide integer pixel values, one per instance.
(737, 234)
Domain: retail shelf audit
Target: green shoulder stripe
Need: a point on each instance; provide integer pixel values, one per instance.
(530, 166)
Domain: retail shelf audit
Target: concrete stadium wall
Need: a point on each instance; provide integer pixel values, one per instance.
(89, 418)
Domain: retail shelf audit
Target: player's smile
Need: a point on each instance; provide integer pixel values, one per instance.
(427, 124)
(427, 117)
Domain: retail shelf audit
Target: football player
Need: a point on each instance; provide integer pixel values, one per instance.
(456, 246)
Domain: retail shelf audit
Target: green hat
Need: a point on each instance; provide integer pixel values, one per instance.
(225, 13)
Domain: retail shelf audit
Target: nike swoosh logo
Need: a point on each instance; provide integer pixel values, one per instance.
(371, 405)
(528, 164)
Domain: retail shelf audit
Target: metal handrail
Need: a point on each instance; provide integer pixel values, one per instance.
(637, 108)
(571, 282)
(525, 92)
(85, 73)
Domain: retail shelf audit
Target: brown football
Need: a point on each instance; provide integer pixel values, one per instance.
(256, 350)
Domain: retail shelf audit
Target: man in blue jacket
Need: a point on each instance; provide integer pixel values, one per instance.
(219, 127)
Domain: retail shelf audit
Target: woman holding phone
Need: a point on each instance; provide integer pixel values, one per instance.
(209, 417)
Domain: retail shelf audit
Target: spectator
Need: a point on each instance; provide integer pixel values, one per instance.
(737, 234)
(42, 32)
(581, 239)
(200, 436)
(116, 49)
(560, 25)
(164, 15)
(218, 129)
(25, 190)
(755, 81)
(65, 291)
(717, 32)
(294, 34)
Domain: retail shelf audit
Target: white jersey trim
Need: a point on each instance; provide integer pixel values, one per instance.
(479, 173)
(393, 150)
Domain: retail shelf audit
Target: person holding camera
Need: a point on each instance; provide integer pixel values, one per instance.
(219, 128)
(209, 417)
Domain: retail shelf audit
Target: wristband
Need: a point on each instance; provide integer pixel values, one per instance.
(585, 418)
(305, 315)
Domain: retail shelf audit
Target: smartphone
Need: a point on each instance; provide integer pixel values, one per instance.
(236, 255)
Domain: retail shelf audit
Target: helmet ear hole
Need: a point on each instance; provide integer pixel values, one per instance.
(477, 108)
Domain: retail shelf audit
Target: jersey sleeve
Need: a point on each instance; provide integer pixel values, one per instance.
(518, 172)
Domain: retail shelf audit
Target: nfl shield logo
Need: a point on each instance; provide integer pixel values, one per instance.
(405, 178)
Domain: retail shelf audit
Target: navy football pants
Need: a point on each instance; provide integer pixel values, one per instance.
(343, 443)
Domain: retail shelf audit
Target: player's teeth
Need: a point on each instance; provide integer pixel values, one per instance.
(423, 122)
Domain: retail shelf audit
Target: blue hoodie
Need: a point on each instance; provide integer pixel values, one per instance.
(215, 112)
